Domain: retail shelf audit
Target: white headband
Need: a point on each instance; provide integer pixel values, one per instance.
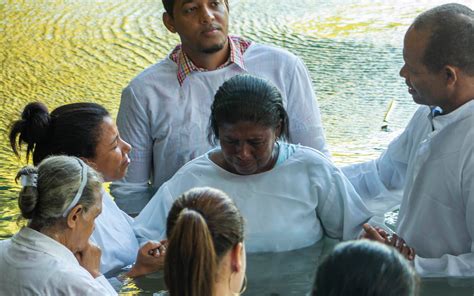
(76, 198)
(29, 180)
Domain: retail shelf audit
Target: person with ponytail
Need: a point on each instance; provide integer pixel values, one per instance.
(206, 253)
(87, 131)
(52, 254)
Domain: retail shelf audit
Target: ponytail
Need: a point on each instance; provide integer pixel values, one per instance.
(191, 256)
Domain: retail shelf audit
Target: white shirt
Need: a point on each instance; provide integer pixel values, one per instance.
(114, 235)
(167, 124)
(285, 208)
(432, 164)
(32, 263)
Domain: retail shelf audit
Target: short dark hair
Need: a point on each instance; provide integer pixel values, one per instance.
(72, 129)
(248, 98)
(169, 5)
(365, 267)
(451, 40)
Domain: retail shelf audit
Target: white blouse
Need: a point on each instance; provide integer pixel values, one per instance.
(32, 263)
(286, 208)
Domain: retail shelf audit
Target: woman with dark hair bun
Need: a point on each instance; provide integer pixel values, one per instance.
(289, 195)
(206, 254)
(365, 268)
(87, 131)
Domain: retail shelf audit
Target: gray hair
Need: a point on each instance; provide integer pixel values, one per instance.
(58, 181)
(451, 40)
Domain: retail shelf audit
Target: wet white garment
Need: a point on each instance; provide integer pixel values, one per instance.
(32, 263)
(114, 235)
(167, 125)
(285, 208)
(432, 164)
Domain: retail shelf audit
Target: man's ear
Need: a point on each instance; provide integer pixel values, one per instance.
(236, 257)
(73, 216)
(168, 21)
(451, 75)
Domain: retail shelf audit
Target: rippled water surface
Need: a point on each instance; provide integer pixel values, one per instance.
(60, 52)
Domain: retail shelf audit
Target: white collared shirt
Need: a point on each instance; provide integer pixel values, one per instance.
(32, 263)
(167, 124)
(429, 170)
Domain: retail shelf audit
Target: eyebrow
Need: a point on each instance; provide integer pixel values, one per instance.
(186, 2)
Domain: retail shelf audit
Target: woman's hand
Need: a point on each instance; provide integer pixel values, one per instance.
(89, 258)
(150, 258)
(380, 235)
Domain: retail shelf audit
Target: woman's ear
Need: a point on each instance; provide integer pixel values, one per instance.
(237, 257)
(73, 216)
(278, 129)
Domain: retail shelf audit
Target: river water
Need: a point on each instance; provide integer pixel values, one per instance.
(68, 51)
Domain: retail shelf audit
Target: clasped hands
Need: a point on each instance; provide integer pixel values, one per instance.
(393, 240)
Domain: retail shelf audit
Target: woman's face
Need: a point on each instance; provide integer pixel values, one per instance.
(111, 154)
(85, 224)
(247, 147)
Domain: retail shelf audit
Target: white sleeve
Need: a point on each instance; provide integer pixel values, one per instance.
(303, 111)
(134, 191)
(150, 224)
(340, 209)
(461, 265)
(380, 182)
(80, 283)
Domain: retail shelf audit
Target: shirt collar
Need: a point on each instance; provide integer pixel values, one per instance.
(440, 121)
(238, 46)
(32, 239)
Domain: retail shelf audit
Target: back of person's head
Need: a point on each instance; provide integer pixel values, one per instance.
(365, 268)
(169, 6)
(248, 98)
(451, 41)
(49, 189)
(72, 129)
(203, 226)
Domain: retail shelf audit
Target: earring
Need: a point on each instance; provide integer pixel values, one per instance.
(243, 288)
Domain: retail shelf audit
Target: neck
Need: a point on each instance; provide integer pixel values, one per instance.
(209, 61)
(222, 288)
(462, 95)
(55, 234)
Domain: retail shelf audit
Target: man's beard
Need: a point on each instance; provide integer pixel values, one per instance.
(213, 49)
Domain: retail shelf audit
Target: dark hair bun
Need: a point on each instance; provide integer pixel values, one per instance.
(35, 121)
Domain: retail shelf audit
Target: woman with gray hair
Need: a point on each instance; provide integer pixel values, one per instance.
(52, 254)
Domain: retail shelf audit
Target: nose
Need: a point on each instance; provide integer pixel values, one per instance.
(244, 151)
(207, 15)
(403, 71)
(126, 148)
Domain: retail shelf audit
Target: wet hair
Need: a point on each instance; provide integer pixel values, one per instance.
(72, 129)
(451, 40)
(366, 268)
(248, 98)
(203, 225)
(58, 181)
(169, 5)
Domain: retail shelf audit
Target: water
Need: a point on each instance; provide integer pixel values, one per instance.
(83, 50)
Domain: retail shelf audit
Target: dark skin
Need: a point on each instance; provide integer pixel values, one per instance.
(380, 235)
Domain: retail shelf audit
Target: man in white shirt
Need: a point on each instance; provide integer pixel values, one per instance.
(164, 111)
(429, 169)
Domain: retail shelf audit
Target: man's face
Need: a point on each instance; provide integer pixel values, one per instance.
(426, 87)
(202, 25)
